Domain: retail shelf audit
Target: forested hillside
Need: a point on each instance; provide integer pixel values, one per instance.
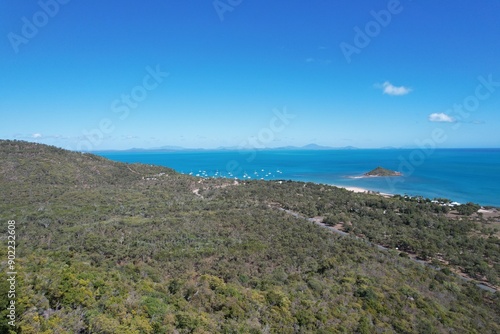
(106, 247)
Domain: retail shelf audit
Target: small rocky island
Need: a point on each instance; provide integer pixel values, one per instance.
(379, 171)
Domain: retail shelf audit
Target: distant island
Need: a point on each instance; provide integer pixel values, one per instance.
(379, 171)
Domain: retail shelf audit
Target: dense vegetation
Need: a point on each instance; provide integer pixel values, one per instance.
(106, 247)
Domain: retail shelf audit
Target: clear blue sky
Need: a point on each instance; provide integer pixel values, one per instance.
(76, 74)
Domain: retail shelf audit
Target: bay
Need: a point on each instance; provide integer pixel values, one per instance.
(461, 175)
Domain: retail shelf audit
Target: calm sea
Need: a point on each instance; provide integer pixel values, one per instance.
(462, 175)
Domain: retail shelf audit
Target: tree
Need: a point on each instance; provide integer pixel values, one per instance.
(468, 209)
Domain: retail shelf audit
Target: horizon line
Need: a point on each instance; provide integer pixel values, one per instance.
(310, 147)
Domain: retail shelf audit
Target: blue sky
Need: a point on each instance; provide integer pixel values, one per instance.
(94, 75)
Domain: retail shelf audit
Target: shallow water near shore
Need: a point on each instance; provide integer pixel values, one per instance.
(462, 175)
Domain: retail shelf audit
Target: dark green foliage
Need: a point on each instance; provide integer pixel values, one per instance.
(106, 247)
(468, 208)
(379, 171)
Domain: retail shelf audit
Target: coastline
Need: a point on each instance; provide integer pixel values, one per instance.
(426, 181)
(362, 190)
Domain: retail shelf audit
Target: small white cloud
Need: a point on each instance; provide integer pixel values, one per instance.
(36, 135)
(441, 117)
(390, 89)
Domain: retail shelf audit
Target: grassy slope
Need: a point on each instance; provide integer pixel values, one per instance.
(106, 247)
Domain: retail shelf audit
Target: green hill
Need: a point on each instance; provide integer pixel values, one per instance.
(106, 247)
(379, 171)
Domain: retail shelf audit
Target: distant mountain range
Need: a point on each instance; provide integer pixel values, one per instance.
(234, 148)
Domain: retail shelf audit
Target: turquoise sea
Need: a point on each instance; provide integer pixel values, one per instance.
(462, 175)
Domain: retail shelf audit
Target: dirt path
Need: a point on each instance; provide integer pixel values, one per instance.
(319, 221)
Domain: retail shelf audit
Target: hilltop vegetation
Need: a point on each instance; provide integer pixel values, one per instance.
(106, 247)
(379, 171)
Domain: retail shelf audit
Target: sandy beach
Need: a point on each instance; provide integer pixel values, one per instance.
(362, 190)
(354, 189)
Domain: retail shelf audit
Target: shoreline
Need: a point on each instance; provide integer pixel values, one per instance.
(218, 168)
(491, 208)
(360, 190)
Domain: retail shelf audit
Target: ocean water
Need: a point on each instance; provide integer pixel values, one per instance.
(461, 175)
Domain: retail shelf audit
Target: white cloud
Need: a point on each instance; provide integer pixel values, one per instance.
(441, 117)
(36, 135)
(390, 89)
